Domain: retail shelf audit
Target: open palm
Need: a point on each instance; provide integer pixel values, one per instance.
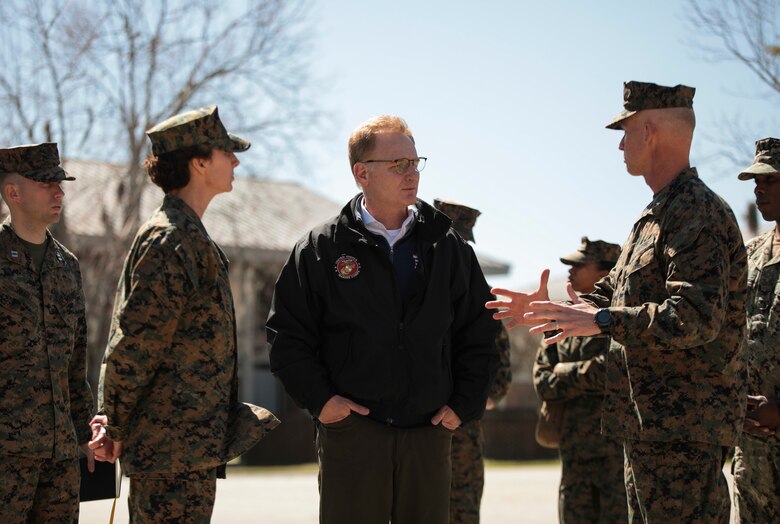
(517, 305)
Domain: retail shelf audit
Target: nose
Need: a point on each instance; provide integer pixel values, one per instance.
(622, 143)
(234, 160)
(58, 192)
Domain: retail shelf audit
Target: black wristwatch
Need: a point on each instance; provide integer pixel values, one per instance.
(603, 319)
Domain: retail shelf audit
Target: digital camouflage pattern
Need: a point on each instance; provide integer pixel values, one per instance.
(756, 470)
(468, 443)
(503, 380)
(638, 96)
(45, 400)
(39, 491)
(175, 498)
(468, 473)
(468, 447)
(39, 162)
(168, 382)
(675, 369)
(757, 458)
(463, 217)
(593, 251)
(676, 482)
(767, 161)
(592, 481)
(194, 128)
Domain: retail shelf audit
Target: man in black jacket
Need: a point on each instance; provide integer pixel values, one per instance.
(377, 327)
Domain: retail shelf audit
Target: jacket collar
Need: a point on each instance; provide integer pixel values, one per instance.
(171, 202)
(430, 224)
(661, 198)
(181, 209)
(762, 256)
(16, 252)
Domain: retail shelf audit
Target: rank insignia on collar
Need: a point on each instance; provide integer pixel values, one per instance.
(347, 267)
(14, 254)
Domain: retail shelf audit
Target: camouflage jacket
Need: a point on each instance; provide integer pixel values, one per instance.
(168, 383)
(503, 379)
(581, 387)
(675, 369)
(45, 400)
(763, 314)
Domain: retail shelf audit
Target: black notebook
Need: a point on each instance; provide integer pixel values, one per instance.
(103, 483)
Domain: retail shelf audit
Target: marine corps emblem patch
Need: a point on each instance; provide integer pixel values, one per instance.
(347, 267)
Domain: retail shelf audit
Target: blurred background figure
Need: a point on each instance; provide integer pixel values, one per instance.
(570, 377)
(468, 442)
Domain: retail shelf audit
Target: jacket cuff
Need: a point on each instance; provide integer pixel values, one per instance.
(465, 411)
(115, 433)
(622, 323)
(319, 398)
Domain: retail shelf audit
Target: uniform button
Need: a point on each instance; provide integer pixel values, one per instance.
(389, 422)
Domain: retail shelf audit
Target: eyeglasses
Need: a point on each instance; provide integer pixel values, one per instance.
(400, 165)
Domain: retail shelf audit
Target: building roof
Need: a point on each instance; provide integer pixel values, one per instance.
(260, 215)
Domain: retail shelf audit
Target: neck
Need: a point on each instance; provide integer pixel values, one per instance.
(663, 173)
(32, 233)
(193, 197)
(390, 218)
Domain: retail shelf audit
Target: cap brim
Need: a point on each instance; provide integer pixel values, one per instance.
(49, 174)
(759, 169)
(615, 124)
(574, 258)
(239, 144)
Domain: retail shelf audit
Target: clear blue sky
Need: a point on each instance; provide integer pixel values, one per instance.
(509, 99)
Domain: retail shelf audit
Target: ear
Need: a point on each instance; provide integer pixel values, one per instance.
(197, 166)
(650, 131)
(360, 172)
(11, 192)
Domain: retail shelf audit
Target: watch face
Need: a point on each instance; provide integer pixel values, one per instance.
(603, 317)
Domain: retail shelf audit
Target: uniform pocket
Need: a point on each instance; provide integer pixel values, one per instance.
(645, 258)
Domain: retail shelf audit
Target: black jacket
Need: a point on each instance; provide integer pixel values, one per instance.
(348, 332)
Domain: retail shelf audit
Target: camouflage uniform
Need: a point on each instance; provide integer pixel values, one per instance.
(168, 383)
(45, 400)
(757, 458)
(468, 442)
(468, 447)
(676, 381)
(592, 487)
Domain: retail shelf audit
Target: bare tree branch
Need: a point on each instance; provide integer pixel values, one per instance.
(103, 72)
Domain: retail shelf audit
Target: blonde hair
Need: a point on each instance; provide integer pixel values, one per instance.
(362, 139)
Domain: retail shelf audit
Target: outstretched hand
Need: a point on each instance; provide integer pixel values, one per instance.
(516, 307)
(567, 320)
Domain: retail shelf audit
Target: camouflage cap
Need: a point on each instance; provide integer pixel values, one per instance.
(463, 217)
(644, 95)
(194, 128)
(767, 161)
(593, 251)
(39, 162)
